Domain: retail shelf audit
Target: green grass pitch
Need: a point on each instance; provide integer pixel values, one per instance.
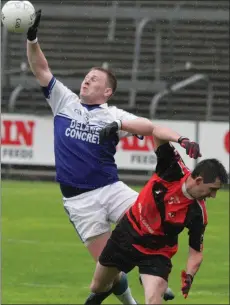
(44, 262)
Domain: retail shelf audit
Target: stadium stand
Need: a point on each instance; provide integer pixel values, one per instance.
(200, 4)
(72, 46)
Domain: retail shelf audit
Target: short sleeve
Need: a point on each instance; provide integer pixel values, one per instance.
(57, 95)
(170, 165)
(196, 223)
(196, 234)
(125, 115)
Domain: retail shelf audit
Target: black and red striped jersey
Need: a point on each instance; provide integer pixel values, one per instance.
(164, 208)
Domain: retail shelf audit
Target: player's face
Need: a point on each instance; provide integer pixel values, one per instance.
(94, 88)
(205, 190)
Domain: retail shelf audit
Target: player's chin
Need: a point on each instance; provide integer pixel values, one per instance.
(202, 198)
(82, 96)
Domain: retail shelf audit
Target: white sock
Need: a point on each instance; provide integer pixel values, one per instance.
(168, 290)
(126, 297)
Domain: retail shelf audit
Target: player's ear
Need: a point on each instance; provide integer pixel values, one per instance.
(199, 180)
(108, 92)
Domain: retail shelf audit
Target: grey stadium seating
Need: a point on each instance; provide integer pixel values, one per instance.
(72, 46)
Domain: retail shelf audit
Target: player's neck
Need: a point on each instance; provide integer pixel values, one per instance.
(189, 183)
(92, 102)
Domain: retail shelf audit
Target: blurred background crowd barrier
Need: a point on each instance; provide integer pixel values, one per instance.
(171, 59)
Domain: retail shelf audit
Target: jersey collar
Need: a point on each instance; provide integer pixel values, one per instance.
(105, 105)
(186, 194)
(94, 106)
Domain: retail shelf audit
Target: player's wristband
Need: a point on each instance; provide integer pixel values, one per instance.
(32, 41)
(181, 139)
(118, 124)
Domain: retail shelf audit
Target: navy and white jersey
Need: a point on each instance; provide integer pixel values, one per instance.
(80, 160)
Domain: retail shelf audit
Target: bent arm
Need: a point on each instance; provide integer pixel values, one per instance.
(38, 63)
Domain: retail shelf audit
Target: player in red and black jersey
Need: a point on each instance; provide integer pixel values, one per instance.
(147, 235)
(164, 208)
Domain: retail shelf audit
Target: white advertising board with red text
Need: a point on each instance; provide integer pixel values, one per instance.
(214, 141)
(28, 140)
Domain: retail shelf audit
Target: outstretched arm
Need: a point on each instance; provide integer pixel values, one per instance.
(37, 61)
(140, 126)
(193, 264)
(164, 135)
(194, 261)
(195, 257)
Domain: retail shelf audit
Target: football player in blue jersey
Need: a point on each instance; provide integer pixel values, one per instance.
(86, 170)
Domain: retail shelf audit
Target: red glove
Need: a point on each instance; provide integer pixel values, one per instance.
(192, 148)
(186, 283)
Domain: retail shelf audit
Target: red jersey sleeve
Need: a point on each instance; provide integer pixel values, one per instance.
(170, 165)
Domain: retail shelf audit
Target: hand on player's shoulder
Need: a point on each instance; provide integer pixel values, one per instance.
(192, 148)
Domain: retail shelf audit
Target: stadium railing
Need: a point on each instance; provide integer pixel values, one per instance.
(180, 85)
